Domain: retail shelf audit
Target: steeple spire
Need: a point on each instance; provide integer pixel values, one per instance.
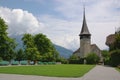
(84, 30)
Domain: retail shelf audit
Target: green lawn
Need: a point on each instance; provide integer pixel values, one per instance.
(49, 70)
(118, 69)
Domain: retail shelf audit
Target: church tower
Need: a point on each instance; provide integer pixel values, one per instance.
(85, 39)
(85, 42)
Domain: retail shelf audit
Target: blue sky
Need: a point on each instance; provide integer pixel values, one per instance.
(61, 20)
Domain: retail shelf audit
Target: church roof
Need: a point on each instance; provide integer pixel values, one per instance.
(84, 30)
(77, 51)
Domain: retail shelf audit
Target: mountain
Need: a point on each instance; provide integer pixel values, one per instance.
(66, 53)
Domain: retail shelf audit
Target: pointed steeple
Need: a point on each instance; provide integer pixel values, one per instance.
(84, 30)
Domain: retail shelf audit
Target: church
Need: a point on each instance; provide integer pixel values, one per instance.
(85, 42)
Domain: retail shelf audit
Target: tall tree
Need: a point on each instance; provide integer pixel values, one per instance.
(33, 54)
(31, 51)
(7, 44)
(45, 47)
(28, 41)
(39, 47)
(43, 44)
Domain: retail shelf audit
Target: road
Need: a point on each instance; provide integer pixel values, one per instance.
(97, 73)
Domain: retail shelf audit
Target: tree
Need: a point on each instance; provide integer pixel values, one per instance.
(31, 51)
(28, 41)
(7, 44)
(115, 57)
(117, 41)
(20, 55)
(32, 54)
(43, 44)
(106, 57)
(92, 58)
(39, 47)
(45, 47)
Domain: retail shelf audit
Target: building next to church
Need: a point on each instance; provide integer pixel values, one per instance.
(85, 42)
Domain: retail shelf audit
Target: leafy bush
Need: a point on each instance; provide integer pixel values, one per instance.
(0, 59)
(115, 58)
(92, 58)
(4, 63)
(14, 63)
(106, 57)
(62, 60)
(76, 60)
(23, 62)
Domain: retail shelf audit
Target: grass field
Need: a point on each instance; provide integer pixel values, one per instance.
(118, 69)
(49, 70)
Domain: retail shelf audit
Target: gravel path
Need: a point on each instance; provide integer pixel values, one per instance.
(97, 73)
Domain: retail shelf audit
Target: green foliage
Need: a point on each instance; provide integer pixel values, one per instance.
(39, 47)
(0, 59)
(92, 58)
(115, 57)
(118, 69)
(49, 70)
(117, 41)
(7, 44)
(115, 50)
(43, 44)
(75, 60)
(45, 47)
(20, 55)
(28, 41)
(32, 54)
(116, 44)
(106, 57)
(4, 63)
(62, 60)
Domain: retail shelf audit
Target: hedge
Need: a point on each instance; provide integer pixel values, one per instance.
(4, 63)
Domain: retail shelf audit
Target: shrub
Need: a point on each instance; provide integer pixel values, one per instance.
(0, 59)
(76, 60)
(40, 63)
(14, 62)
(4, 63)
(62, 60)
(92, 58)
(23, 62)
(106, 57)
(115, 57)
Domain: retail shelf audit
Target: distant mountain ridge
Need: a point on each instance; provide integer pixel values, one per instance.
(66, 53)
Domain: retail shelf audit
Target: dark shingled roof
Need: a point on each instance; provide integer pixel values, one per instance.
(84, 30)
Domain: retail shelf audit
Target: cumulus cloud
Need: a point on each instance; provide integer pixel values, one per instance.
(66, 33)
(20, 21)
(102, 18)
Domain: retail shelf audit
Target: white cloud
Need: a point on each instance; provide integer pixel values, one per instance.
(66, 33)
(20, 21)
(102, 18)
